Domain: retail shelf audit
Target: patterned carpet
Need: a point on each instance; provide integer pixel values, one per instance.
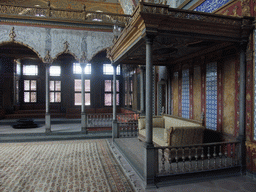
(83, 165)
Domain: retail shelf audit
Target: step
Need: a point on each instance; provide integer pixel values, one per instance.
(34, 115)
(35, 111)
(35, 137)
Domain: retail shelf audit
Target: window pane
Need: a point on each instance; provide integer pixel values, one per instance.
(117, 85)
(33, 97)
(117, 99)
(55, 70)
(18, 69)
(33, 85)
(77, 85)
(26, 85)
(58, 97)
(77, 68)
(108, 99)
(51, 85)
(87, 86)
(30, 70)
(26, 97)
(78, 99)
(87, 99)
(109, 70)
(87, 69)
(51, 97)
(108, 85)
(125, 99)
(57, 85)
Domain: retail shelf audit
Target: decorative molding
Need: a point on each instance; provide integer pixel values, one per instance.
(83, 59)
(47, 58)
(12, 34)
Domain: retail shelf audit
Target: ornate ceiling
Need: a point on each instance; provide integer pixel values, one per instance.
(91, 5)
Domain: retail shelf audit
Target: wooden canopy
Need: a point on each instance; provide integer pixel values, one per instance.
(177, 34)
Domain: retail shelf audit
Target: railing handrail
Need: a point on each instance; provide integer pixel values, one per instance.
(61, 14)
(196, 145)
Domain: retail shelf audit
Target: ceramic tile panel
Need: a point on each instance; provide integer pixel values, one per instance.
(211, 5)
(211, 96)
(185, 93)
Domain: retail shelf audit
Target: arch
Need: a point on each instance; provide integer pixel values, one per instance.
(4, 43)
(67, 53)
(103, 51)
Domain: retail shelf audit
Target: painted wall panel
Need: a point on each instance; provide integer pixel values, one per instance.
(175, 94)
(197, 93)
(229, 97)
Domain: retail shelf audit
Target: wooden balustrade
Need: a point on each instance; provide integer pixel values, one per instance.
(197, 158)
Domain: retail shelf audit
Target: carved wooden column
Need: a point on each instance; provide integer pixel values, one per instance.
(83, 115)
(149, 84)
(48, 61)
(142, 93)
(242, 115)
(150, 164)
(115, 130)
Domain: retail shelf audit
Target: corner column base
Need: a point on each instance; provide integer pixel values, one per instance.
(48, 123)
(83, 123)
(115, 131)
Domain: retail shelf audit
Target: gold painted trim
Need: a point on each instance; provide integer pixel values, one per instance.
(184, 4)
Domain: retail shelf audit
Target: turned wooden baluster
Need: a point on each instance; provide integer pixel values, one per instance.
(176, 158)
(190, 159)
(226, 155)
(196, 156)
(163, 162)
(202, 157)
(183, 158)
(231, 154)
(209, 156)
(220, 155)
(214, 156)
(170, 161)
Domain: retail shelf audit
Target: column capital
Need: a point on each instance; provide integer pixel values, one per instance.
(114, 64)
(83, 65)
(83, 58)
(150, 38)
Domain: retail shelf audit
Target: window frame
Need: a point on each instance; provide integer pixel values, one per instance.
(111, 92)
(80, 92)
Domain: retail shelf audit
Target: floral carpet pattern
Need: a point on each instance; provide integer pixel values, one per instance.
(82, 165)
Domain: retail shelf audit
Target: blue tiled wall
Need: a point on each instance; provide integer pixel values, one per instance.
(185, 93)
(211, 5)
(211, 96)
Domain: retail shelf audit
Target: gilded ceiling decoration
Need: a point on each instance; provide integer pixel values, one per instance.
(91, 5)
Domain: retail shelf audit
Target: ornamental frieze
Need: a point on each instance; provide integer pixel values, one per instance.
(50, 43)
